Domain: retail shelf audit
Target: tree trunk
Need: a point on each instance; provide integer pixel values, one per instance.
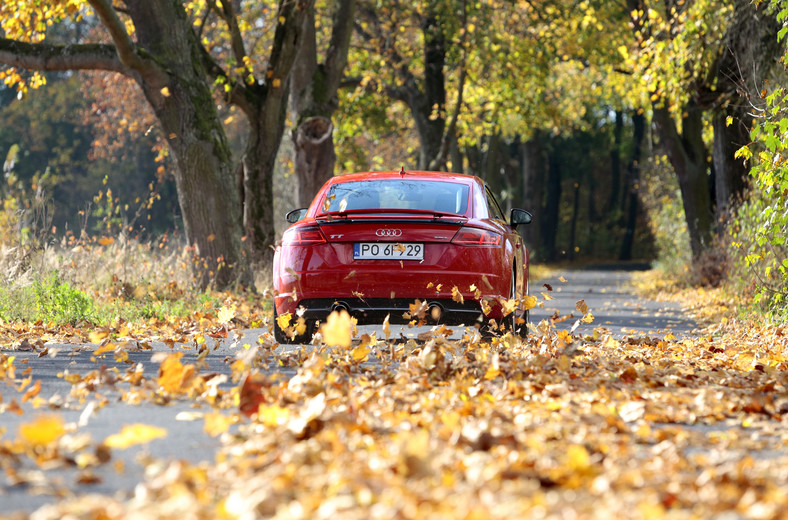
(570, 252)
(204, 178)
(731, 173)
(258, 173)
(749, 51)
(532, 154)
(615, 165)
(265, 107)
(314, 157)
(687, 155)
(551, 209)
(491, 164)
(314, 100)
(633, 178)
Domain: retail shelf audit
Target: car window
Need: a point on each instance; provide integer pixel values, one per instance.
(493, 207)
(448, 197)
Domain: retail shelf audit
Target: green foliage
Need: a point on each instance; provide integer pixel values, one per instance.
(761, 225)
(47, 299)
(661, 196)
(759, 249)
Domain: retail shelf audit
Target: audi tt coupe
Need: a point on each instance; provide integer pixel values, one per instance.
(418, 246)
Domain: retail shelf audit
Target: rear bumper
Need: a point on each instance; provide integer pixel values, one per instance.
(374, 310)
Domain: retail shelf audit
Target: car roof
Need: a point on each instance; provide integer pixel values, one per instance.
(399, 174)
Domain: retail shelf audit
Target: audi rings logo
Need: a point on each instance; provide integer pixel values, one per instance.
(388, 232)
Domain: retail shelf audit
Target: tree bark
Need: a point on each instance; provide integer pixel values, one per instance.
(615, 165)
(687, 155)
(633, 178)
(749, 51)
(731, 173)
(181, 100)
(314, 99)
(550, 211)
(315, 157)
(532, 153)
(265, 107)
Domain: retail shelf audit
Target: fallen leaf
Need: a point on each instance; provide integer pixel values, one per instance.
(42, 431)
(134, 434)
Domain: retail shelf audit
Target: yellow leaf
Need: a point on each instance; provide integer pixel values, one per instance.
(578, 458)
(165, 92)
(216, 423)
(360, 353)
(284, 320)
(508, 306)
(337, 330)
(226, 314)
(581, 306)
(97, 335)
(278, 83)
(134, 434)
(300, 326)
(273, 415)
(109, 347)
(44, 430)
(105, 241)
(173, 375)
(386, 327)
(588, 318)
(492, 373)
(529, 302)
(456, 295)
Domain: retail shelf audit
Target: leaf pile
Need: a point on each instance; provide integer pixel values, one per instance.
(563, 424)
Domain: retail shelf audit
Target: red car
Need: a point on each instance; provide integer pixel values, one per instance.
(374, 243)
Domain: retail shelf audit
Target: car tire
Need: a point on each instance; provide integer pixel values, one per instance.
(509, 323)
(280, 335)
(519, 329)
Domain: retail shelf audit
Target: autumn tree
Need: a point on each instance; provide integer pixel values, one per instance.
(162, 46)
(405, 53)
(691, 57)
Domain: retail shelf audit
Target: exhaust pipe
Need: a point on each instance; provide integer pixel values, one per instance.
(436, 311)
(340, 306)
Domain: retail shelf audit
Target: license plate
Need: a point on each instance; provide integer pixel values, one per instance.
(388, 251)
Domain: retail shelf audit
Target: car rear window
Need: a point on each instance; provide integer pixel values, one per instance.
(447, 197)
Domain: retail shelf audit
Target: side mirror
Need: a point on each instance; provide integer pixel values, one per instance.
(519, 216)
(296, 215)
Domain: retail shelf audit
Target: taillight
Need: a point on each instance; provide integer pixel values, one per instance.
(303, 236)
(477, 237)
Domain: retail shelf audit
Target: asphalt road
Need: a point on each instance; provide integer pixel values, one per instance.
(605, 291)
(615, 306)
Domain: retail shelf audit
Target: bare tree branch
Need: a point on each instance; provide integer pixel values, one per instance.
(42, 56)
(123, 44)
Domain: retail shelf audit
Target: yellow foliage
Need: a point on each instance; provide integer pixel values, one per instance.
(131, 435)
(174, 376)
(337, 331)
(42, 431)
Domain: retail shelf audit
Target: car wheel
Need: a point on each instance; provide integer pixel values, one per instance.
(281, 336)
(520, 329)
(508, 323)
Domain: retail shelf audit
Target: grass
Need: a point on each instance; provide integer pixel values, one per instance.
(98, 285)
